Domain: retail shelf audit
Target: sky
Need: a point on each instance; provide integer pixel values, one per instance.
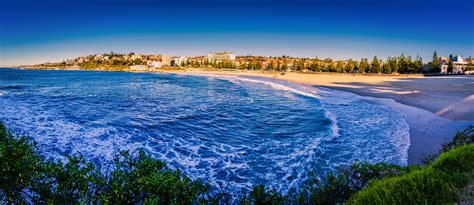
(52, 30)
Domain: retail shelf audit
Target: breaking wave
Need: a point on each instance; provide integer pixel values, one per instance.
(234, 132)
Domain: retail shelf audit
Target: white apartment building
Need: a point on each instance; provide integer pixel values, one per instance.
(222, 56)
(459, 65)
(178, 61)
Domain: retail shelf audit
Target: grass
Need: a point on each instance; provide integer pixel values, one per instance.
(440, 182)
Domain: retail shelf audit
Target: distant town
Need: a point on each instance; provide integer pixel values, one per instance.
(454, 64)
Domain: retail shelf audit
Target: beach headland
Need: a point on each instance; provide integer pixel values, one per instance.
(435, 107)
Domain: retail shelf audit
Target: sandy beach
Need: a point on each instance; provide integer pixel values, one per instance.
(434, 107)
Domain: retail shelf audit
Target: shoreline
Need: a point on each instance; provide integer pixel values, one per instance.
(422, 95)
(427, 130)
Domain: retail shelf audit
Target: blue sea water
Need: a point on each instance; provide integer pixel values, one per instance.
(231, 131)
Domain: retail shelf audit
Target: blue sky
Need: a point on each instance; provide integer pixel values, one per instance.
(51, 30)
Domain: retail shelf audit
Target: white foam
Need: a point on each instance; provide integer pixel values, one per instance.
(290, 160)
(400, 138)
(279, 87)
(308, 93)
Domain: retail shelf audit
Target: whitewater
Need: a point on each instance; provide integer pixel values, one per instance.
(233, 132)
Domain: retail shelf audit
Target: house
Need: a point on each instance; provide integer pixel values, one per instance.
(70, 62)
(98, 57)
(459, 65)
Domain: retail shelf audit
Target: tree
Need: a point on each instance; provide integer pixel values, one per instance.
(376, 67)
(284, 66)
(418, 64)
(387, 66)
(330, 65)
(434, 65)
(363, 65)
(299, 65)
(356, 65)
(350, 66)
(450, 63)
(339, 66)
(394, 65)
(270, 65)
(410, 65)
(278, 67)
(435, 57)
(403, 64)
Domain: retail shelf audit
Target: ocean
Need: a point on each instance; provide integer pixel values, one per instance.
(232, 132)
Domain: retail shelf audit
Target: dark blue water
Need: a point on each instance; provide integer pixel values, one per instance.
(236, 131)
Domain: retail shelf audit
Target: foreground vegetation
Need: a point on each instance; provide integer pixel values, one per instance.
(441, 182)
(27, 177)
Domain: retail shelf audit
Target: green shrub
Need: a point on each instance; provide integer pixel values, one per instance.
(261, 195)
(331, 188)
(68, 183)
(337, 187)
(27, 177)
(461, 138)
(20, 166)
(142, 178)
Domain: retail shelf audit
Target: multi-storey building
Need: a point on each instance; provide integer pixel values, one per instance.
(459, 65)
(220, 57)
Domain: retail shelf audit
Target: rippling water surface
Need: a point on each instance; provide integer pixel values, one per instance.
(234, 131)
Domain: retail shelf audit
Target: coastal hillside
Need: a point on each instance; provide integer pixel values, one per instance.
(228, 60)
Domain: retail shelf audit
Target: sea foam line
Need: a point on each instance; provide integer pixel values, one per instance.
(309, 93)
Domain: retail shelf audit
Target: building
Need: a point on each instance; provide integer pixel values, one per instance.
(138, 68)
(179, 61)
(70, 62)
(137, 56)
(470, 60)
(219, 57)
(155, 64)
(98, 57)
(459, 65)
(442, 60)
(165, 60)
